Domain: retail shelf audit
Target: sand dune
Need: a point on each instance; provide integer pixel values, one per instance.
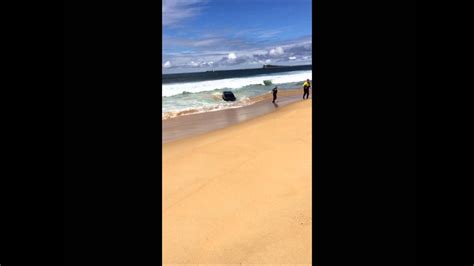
(242, 194)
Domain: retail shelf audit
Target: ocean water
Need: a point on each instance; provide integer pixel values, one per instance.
(202, 92)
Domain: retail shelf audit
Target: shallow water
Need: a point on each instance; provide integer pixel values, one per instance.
(200, 123)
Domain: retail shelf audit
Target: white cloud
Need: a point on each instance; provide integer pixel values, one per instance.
(193, 64)
(290, 52)
(232, 56)
(175, 11)
(200, 64)
(167, 64)
(277, 51)
(206, 42)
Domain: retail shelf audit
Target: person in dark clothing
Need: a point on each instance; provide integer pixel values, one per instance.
(306, 87)
(274, 91)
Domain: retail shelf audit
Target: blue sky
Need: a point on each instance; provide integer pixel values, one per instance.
(200, 35)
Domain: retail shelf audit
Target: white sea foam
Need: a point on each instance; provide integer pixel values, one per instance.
(234, 83)
(203, 109)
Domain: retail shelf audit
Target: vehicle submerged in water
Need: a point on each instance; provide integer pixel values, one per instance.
(228, 96)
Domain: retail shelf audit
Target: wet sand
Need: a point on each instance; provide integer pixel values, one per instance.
(242, 194)
(200, 123)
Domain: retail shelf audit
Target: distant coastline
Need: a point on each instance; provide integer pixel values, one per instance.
(272, 66)
(241, 69)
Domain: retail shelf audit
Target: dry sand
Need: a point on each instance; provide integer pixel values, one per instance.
(242, 194)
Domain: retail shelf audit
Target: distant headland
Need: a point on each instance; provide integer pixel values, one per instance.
(262, 69)
(272, 66)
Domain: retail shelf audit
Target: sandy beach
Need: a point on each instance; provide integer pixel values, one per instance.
(240, 194)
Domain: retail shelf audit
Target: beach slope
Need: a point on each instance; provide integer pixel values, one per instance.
(242, 194)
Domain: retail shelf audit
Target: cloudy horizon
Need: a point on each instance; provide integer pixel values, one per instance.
(202, 35)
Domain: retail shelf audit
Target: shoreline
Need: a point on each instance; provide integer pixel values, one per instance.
(189, 125)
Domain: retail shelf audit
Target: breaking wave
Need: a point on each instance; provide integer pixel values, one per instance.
(169, 90)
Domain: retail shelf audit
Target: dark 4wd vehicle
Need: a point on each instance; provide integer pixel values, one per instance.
(228, 96)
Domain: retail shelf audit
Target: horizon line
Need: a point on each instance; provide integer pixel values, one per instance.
(278, 66)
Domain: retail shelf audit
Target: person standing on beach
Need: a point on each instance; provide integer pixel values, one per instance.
(274, 91)
(306, 87)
